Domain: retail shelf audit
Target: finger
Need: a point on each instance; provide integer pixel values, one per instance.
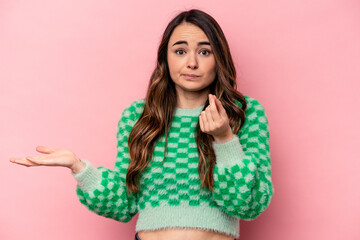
(23, 161)
(212, 100)
(205, 121)
(214, 111)
(219, 105)
(42, 160)
(201, 123)
(209, 117)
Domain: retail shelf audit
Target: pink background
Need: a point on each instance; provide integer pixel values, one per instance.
(69, 68)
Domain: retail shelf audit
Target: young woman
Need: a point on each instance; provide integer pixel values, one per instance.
(193, 155)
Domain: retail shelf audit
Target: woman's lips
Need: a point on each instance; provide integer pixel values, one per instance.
(190, 76)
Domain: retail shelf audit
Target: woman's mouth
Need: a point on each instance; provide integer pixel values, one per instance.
(190, 76)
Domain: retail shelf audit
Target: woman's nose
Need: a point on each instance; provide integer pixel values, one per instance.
(192, 62)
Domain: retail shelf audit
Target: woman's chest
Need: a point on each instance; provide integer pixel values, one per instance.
(172, 175)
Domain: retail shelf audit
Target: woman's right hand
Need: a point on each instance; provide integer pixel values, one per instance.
(53, 157)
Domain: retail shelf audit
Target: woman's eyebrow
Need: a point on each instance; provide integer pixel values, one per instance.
(185, 42)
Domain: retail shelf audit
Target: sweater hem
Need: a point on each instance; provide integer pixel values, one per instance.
(185, 216)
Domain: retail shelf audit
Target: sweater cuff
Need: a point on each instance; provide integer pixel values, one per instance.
(88, 178)
(228, 153)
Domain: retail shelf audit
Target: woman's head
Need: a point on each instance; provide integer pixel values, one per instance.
(189, 53)
(218, 77)
(196, 25)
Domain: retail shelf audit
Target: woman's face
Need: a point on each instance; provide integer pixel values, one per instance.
(189, 52)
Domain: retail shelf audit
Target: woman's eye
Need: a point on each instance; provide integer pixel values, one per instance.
(181, 51)
(207, 52)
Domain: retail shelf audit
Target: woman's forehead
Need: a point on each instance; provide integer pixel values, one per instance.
(188, 32)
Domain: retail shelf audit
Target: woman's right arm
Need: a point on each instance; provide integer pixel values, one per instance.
(100, 189)
(104, 191)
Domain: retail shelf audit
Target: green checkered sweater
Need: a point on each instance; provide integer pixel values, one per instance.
(170, 193)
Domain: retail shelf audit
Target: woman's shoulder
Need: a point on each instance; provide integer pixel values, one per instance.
(133, 110)
(137, 105)
(251, 102)
(255, 113)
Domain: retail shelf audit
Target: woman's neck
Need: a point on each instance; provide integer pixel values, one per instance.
(190, 100)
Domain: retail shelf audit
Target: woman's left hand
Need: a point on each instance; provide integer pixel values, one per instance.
(214, 121)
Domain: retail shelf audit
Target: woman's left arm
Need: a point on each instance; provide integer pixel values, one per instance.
(242, 174)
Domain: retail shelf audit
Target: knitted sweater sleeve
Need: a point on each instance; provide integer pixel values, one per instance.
(104, 191)
(242, 174)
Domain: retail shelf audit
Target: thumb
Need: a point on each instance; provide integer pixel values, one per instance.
(43, 149)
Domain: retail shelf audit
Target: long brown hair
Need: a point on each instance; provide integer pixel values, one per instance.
(161, 100)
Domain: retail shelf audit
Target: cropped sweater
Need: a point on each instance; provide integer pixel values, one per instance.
(170, 195)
